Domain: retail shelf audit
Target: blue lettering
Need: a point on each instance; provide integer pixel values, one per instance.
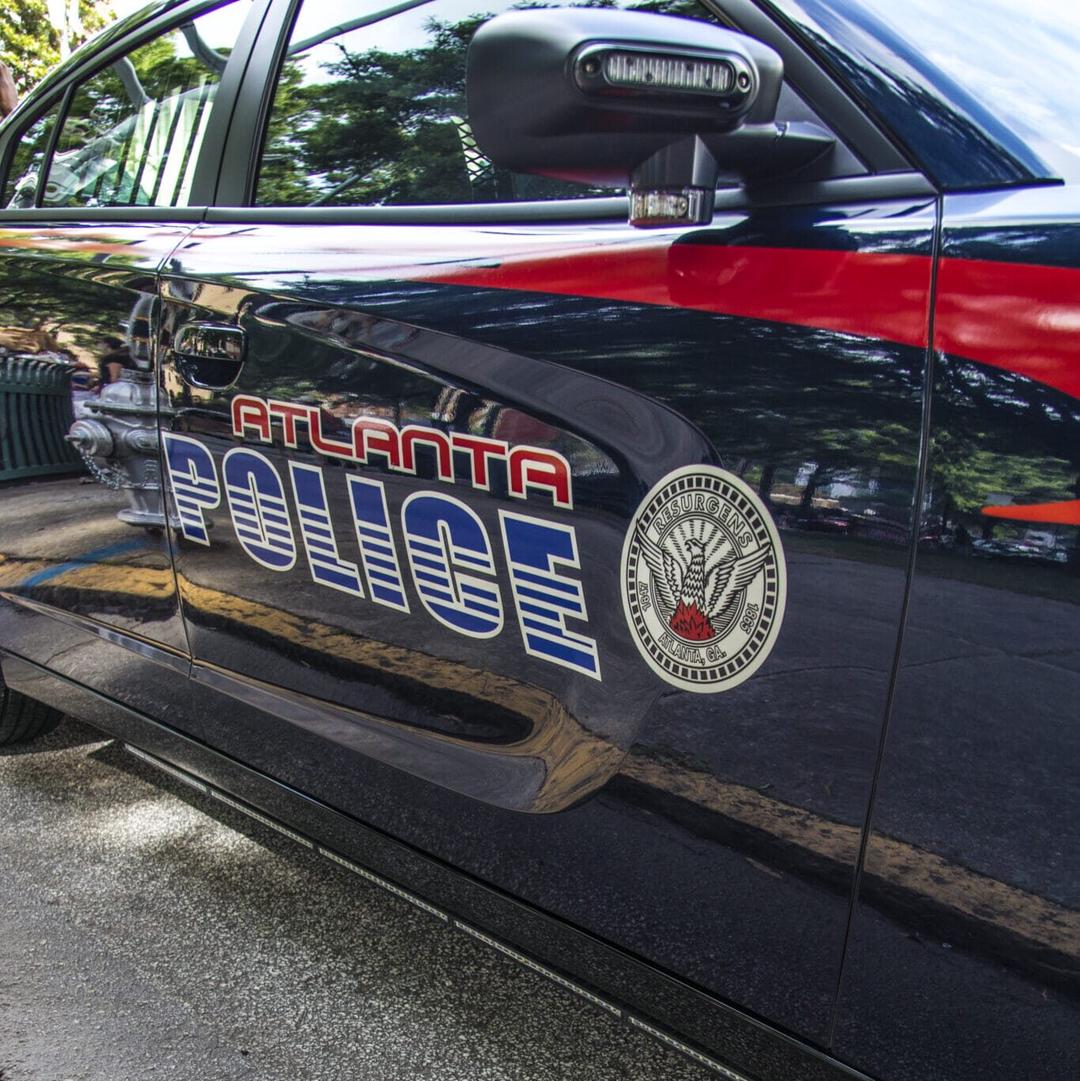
(259, 512)
(441, 535)
(317, 531)
(194, 481)
(543, 596)
(377, 548)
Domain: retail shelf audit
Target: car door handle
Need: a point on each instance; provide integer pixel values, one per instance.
(209, 355)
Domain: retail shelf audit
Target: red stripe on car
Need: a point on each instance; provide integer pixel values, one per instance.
(1019, 317)
(1066, 512)
(873, 295)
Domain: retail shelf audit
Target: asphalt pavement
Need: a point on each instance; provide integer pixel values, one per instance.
(147, 931)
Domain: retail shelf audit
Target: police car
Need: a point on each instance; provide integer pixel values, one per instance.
(605, 472)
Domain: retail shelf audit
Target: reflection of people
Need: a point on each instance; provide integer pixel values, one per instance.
(9, 96)
(112, 363)
(84, 386)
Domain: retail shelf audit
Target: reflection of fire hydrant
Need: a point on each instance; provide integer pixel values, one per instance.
(119, 444)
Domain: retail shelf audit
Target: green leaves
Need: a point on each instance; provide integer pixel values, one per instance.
(30, 44)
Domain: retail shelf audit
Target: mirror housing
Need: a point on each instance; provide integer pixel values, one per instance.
(661, 105)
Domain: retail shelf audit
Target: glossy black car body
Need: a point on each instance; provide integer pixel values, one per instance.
(860, 859)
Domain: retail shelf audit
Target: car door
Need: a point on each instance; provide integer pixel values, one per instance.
(105, 172)
(431, 427)
(969, 896)
(971, 842)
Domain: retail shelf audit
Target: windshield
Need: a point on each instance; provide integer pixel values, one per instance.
(981, 90)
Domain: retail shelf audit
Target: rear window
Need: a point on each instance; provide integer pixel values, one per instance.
(20, 188)
(133, 131)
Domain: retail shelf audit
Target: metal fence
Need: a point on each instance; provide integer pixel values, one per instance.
(35, 414)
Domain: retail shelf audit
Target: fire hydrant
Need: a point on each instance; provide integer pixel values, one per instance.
(119, 443)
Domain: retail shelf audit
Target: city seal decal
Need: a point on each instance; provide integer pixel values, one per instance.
(703, 579)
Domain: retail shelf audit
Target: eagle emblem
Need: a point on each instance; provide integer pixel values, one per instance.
(698, 592)
(704, 580)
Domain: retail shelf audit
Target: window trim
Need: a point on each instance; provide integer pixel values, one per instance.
(61, 215)
(251, 113)
(54, 140)
(869, 188)
(86, 65)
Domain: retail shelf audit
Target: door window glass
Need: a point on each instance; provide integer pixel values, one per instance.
(369, 109)
(132, 134)
(20, 188)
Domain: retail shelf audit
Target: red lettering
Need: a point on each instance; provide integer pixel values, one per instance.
(415, 434)
(376, 436)
(288, 414)
(528, 468)
(480, 449)
(330, 447)
(531, 467)
(250, 412)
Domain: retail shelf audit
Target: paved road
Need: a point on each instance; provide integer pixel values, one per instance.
(148, 932)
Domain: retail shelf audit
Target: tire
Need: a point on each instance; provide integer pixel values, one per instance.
(22, 719)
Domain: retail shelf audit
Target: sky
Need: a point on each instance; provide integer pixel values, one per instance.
(1017, 57)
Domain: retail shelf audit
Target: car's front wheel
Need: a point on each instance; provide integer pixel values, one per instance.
(22, 719)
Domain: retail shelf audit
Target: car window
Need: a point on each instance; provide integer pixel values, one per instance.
(20, 188)
(369, 108)
(132, 133)
(984, 91)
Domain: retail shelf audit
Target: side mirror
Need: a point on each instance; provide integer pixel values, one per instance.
(661, 105)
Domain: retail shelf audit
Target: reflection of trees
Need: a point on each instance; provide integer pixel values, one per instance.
(60, 311)
(774, 397)
(388, 127)
(105, 100)
(133, 124)
(769, 395)
(1049, 245)
(378, 131)
(33, 39)
(999, 433)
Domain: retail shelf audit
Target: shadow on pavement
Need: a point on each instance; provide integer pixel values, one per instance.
(70, 733)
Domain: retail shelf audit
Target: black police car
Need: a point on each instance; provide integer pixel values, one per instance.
(609, 472)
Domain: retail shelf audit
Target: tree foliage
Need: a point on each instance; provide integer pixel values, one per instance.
(368, 126)
(31, 42)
